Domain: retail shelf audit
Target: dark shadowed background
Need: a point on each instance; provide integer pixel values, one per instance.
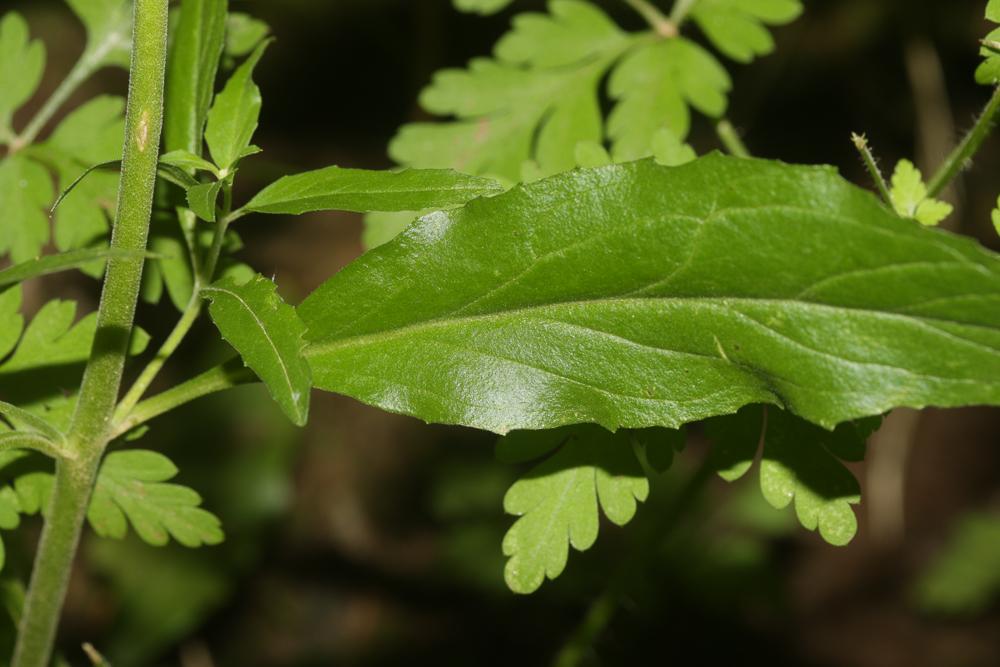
(371, 539)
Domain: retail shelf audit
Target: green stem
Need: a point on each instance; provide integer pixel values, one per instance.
(88, 435)
(602, 610)
(680, 11)
(228, 375)
(959, 157)
(67, 510)
(663, 26)
(731, 139)
(868, 158)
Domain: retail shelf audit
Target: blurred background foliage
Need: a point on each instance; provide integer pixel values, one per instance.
(371, 539)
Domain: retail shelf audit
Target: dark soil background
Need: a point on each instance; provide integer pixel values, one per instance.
(371, 539)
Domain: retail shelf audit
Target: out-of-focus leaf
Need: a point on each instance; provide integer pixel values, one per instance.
(109, 30)
(362, 191)
(738, 27)
(964, 578)
(25, 190)
(22, 63)
(243, 34)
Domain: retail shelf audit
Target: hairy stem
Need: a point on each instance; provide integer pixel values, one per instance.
(962, 153)
(88, 435)
(868, 158)
(228, 375)
(660, 23)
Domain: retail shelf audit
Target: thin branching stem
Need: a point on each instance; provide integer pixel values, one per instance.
(731, 139)
(659, 21)
(88, 435)
(968, 147)
(868, 158)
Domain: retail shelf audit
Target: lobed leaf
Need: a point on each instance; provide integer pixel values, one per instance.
(557, 501)
(909, 196)
(25, 190)
(268, 334)
(109, 30)
(737, 27)
(131, 488)
(22, 63)
(360, 190)
(639, 295)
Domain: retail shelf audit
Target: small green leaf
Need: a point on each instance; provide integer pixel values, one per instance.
(483, 7)
(802, 462)
(202, 199)
(995, 217)
(988, 72)
(22, 63)
(233, 118)
(737, 27)
(25, 190)
(109, 30)
(909, 196)
(187, 160)
(243, 34)
(557, 501)
(198, 40)
(131, 485)
(360, 190)
(268, 334)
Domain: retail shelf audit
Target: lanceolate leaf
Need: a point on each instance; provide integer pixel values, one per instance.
(268, 334)
(233, 118)
(638, 295)
(194, 60)
(131, 485)
(360, 190)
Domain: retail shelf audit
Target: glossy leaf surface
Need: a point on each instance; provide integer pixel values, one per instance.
(639, 295)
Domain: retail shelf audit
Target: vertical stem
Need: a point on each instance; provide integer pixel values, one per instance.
(868, 158)
(88, 435)
(731, 139)
(967, 148)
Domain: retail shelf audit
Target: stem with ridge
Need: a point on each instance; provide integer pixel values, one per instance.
(76, 471)
(959, 157)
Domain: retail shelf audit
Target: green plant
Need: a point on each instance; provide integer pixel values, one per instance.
(585, 314)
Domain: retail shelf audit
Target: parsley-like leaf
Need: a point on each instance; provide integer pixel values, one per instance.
(132, 486)
(909, 196)
(109, 30)
(988, 72)
(22, 63)
(738, 27)
(557, 501)
(25, 190)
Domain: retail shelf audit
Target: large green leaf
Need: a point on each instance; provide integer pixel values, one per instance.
(268, 334)
(640, 295)
(194, 61)
(22, 63)
(361, 190)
